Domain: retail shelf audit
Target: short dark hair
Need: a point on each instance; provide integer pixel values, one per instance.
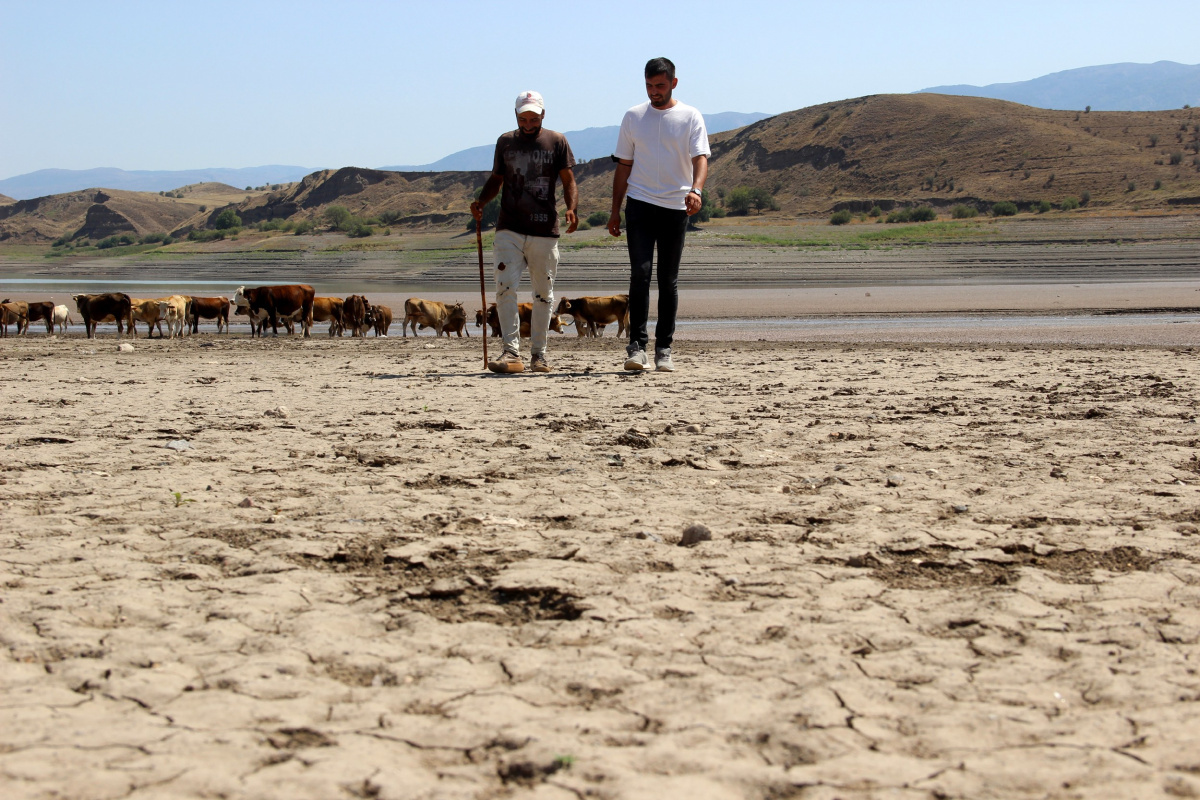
(660, 66)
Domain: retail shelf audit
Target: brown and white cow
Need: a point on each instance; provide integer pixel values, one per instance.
(209, 308)
(354, 314)
(11, 314)
(151, 312)
(380, 318)
(429, 314)
(278, 301)
(524, 314)
(109, 307)
(179, 306)
(592, 314)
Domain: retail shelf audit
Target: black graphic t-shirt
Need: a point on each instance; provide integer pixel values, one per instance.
(530, 166)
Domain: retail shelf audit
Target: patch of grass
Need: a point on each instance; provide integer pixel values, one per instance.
(867, 237)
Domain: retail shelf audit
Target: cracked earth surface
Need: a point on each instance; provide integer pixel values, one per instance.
(934, 572)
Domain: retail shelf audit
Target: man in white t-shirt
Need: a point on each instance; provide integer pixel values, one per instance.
(662, 163)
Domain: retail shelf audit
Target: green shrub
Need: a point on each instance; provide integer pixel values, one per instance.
(1004, 209)
(841, 218)
(1085, 198)
(361, 230)
(583, 225)
(303, 227)
(275, 224)
(1131, 187)
(743, 198)
(1157, 185)
(153, 238)
(209, 236)
(821, 120)
(875, 211)
(899, 215)
(1069, 204)
(390, 217)
(597, 218)
(1177, 157)
(1043, 206)
(923, 214)
(227, 219)
(114, 241)
(963, 211)
(60, 241)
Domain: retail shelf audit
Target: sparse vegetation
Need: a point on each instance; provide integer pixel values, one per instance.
(210, 236)
(1085, 197)
(962, 211)
(1043, 206)
(598, 218)
(491, 213)
(919, 214)
(1131, 187)
(841, 218)
(1157, 185)
(156, 238)
(114, 241)
(361, 230)
(1176, 158)
(821, 120)
(303, 227)
(875, 211)
(1004, 208)
(1069, 204)
(743, 198)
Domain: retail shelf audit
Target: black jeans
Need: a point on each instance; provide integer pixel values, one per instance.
(647, 225)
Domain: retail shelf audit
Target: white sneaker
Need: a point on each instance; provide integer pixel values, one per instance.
(662, 360)
(637, 360)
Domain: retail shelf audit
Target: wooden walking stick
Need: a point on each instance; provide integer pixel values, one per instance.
(482, 289)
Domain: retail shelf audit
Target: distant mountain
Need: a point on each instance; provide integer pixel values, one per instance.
(46, 182)
(585, 144)
(1160, 86)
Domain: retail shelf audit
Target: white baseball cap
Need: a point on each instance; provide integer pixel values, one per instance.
(530, 101)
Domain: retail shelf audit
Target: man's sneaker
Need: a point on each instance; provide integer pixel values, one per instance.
(538, 363)
(662, 360)
(637, 360)
(507, 363)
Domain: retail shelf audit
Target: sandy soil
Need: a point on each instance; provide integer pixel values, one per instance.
(315, 569)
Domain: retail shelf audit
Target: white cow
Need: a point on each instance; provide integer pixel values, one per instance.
(62, 318)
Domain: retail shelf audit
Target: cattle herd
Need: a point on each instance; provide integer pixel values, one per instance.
(294, 303)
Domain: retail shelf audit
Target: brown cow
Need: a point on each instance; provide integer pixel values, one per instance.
(151, 312)
(33, 312)
(97, 308)
(278, 301)
(429, 314)
(329, 309)
(380, 318)
(354, 314)
(596, 312)
(10, 314)
(209, 308)
(524, 314)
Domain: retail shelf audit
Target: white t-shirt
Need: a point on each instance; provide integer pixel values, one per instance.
(661, 145)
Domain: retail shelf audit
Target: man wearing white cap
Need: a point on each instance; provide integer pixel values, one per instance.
(527, 163)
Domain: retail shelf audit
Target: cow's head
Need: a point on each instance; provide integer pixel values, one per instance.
(556, 324)
(239, 298)
(80, 300)
(479, 318)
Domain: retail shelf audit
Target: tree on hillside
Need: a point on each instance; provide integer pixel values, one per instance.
(227, 219)
(339, 218)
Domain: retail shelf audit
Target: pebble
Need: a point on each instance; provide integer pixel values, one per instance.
(961, 508)
(279, 411)
(653, 537)
(124, 347)
(246, 503)
(895, 479)
(179, 445)
(695, 534)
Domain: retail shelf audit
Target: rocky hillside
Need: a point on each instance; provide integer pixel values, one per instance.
(5, 199)
(886, 149)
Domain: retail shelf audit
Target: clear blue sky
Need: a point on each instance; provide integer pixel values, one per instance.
(172, 85)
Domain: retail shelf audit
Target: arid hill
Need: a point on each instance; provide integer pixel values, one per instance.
(5, 199)
(944, 150)
(888, 150)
